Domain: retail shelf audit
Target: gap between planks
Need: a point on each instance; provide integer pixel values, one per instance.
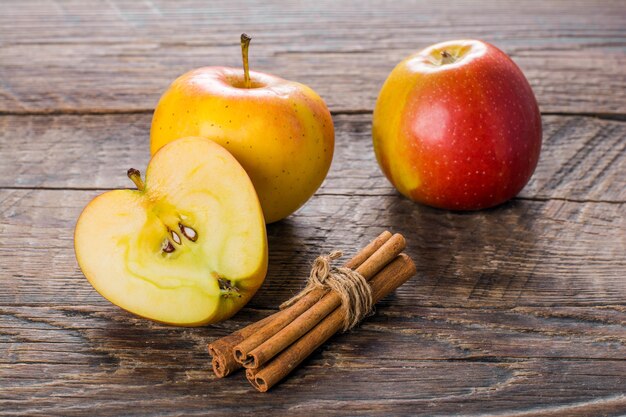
(619, 117)
(320, 194)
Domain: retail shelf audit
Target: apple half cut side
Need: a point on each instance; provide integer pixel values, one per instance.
(188, 247)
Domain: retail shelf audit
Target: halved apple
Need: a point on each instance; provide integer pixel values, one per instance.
(188, 247)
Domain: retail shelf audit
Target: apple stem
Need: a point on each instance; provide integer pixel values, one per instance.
(446, 57)
(135, 176)
(245, 45)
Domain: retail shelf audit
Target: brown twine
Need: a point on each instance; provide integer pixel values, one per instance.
(352, 287)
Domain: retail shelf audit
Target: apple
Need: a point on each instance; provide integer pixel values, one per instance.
(280, 131)
(457, 126)
(188, 247)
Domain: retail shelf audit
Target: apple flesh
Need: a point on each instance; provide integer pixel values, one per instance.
(457, 126)
(188, 247)
(280, 131)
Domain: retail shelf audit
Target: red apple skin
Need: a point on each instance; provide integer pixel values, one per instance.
(464, 135)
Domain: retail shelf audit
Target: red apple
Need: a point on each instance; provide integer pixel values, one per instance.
(457, 126)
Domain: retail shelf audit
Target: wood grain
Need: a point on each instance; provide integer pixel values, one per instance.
(583, 158)
(68, 360)
(539, 253)
(516, 311)
(120, 56)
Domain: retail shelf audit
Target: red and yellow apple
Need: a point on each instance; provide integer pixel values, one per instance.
(457, 126)
(280, 131)
(188, 247)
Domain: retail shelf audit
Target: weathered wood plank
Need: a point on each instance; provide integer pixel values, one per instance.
(84, 22)
(408, 388)
(523, 253)
(79, 335)
(516, 311)
(95, 56)
(583, 158)
(72, 360)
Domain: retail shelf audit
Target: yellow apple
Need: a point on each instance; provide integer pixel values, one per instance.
(188, 247)
(280, 131)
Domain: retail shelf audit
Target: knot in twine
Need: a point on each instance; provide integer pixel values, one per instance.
(356, 294)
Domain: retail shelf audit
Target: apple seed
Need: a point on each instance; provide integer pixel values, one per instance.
(188, 232)
(175, 237)
(167, 246)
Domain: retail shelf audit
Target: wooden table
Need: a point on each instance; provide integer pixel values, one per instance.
(516, 311)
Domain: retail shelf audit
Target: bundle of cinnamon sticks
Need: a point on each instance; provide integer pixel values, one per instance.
(271, 348)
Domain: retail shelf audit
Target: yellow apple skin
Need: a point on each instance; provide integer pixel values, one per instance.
(119, 235)
(280, 131)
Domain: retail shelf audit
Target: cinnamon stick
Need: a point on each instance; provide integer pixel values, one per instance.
(317, 312)
(304, 304)
(251, 336)
(221, 350)
(387, 280)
